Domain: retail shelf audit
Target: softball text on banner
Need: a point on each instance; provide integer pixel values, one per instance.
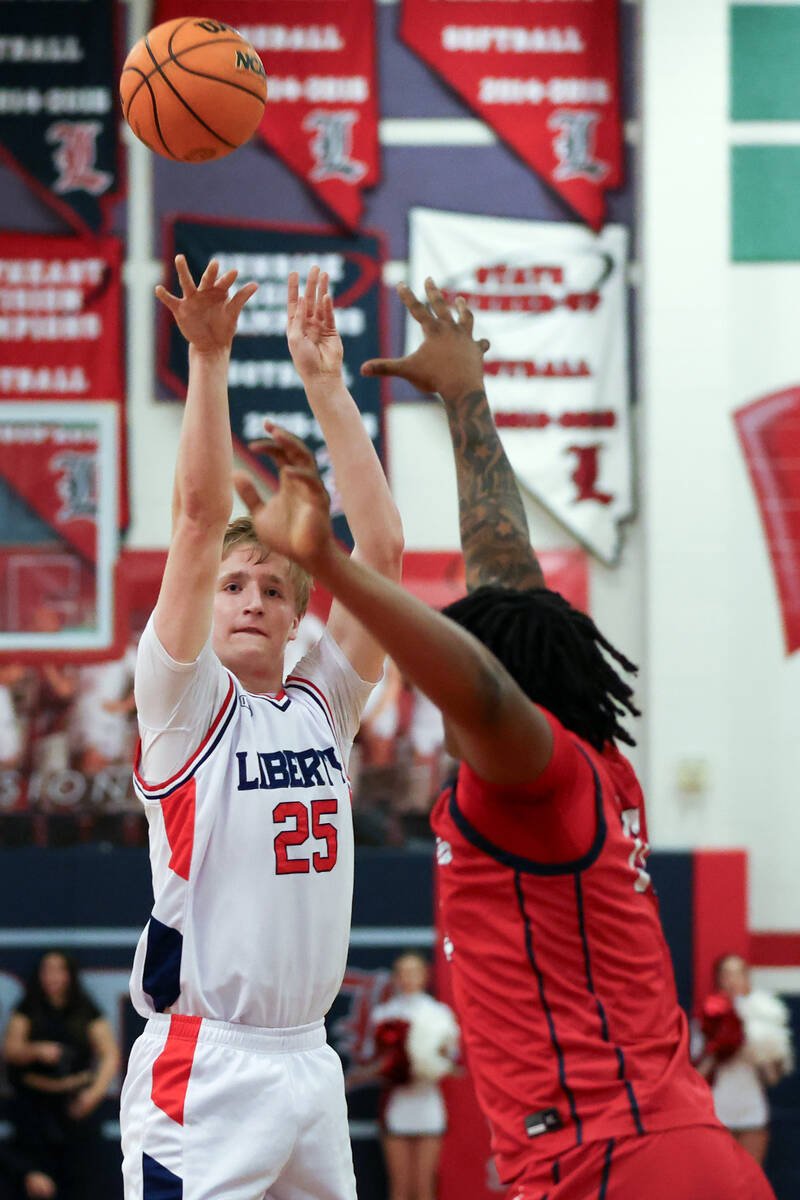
(321, 117)
(544, 74)
(262, 381)
(58, 108)
(552, 299)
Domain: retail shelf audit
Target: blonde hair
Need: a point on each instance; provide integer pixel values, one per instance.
(241, 534)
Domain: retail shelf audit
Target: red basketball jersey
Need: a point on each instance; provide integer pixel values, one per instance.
(562, 979)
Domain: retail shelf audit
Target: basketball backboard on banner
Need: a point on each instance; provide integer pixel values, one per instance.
(58, 528)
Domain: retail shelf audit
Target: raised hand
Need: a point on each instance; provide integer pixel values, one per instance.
(295, 521)
(314, 342)
(205, 314)
(449, 361)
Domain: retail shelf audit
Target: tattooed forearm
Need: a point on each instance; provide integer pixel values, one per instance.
(494, 529)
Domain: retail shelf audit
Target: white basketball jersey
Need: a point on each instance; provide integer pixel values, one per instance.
(251, 847)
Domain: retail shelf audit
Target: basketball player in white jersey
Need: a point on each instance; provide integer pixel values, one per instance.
(232, 1091)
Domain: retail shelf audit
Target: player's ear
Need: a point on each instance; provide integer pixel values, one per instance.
(293, 628)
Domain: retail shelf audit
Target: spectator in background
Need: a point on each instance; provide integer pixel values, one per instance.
(100, 722)
(18, 1169)
(416, 1044)
(747, 1048)
(11, 731)
(62, 1057)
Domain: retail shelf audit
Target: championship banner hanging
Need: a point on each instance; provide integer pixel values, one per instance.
(321, 116)
(544, 74)
(552, 300)
(61, 323)
(262, 381)
(769, 433)
(58, 108)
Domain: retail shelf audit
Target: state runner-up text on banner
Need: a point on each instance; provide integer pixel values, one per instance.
(552, 299)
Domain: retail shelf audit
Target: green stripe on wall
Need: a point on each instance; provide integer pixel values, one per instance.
(765, 198)
(765, 62)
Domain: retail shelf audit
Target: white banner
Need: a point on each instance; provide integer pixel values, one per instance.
(552, 299)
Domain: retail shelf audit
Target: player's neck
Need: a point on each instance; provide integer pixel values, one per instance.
(261, 678)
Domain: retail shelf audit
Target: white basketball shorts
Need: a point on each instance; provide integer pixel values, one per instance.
(231, 1112)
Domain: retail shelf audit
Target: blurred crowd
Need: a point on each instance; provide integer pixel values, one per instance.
(68, 738)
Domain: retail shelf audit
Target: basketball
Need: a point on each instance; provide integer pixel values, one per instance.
(193, 89)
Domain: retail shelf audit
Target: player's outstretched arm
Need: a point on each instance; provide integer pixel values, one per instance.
(316, 350)
(484, 708)
(206, 314)
(494, 529)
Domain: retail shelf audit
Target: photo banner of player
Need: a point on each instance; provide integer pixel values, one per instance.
(552, 299)
(769, 433)
(61, 323)
(321, 117)
(544, 74)
(262, 381)
(59, 112)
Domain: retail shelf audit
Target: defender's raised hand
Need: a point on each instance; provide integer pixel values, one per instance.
(314, 342)
(295, 521)
(449, 361)
(205, 314)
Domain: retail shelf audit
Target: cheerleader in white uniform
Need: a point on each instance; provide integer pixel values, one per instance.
(417, 1040)
(748, 1048)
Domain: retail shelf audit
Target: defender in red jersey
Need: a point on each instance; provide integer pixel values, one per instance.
(562, 978)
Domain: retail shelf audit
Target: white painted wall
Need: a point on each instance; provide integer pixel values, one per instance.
(720, 688)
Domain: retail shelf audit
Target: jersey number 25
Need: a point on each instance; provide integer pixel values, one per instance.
(295, 810)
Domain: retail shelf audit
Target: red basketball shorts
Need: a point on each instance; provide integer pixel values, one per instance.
(699, 1162)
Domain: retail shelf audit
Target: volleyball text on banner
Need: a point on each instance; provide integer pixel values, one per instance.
(61, 323)
(58, 106)
(321, 116)
(769, 432)
(262, 382)
(544, 74)
(552, 299)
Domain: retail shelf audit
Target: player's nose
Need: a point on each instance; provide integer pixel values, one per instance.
(252, 599)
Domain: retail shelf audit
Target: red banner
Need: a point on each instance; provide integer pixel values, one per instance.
(769, 432)
(55, 474)
(61, 323)
(60, 318)
(321, 116)
(544, 74)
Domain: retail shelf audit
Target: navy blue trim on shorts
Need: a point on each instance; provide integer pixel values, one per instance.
(601, 1195)
(562, 1074)
(529, 866)
(158, 1183)
(601, 1012)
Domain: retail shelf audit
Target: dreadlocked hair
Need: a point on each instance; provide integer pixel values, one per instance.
(555, 654)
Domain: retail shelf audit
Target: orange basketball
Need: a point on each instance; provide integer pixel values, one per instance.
(193, 89)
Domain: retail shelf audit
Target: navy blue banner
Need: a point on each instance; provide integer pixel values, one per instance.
(262, 381)
(59, 112)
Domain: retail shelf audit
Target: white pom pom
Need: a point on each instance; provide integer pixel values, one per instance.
(768, 1039)
(432, 1042)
